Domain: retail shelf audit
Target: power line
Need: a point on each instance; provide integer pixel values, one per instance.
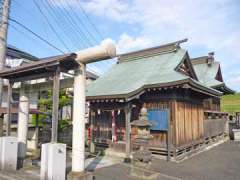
(21, 32)
(75, 25)
(29, 30)
(28, 35)
(50, 25)
(35, 34)
(71, 25)
(94, 27)
(29, 12)
(89, 20)
(51, 11)
(81, 22)
(23, 7)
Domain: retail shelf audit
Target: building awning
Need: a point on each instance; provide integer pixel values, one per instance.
(45, 67)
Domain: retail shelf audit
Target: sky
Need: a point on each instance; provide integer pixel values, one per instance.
(208, 25)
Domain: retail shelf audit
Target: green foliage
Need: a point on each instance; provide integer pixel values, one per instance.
(41, 119)
(230, 103)
(64, 100)
(62, 124)
(45, 105)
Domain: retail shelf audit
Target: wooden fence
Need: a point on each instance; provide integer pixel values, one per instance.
(215, 123)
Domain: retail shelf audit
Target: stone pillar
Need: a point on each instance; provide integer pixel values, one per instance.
(36, 132)
(78, 142)
(56, 89)
(23, 116)
(114, 137)
(1, 125)
(9, 110)
(92, 145)
(128, 132)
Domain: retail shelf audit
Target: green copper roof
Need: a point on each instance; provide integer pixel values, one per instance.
(207, 73)
(133, 74)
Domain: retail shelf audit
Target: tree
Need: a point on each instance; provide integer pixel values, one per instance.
(45, 105)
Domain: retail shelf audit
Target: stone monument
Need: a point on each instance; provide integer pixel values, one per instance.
(142, 157)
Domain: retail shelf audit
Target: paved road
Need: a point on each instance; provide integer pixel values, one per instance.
(18, 175)
(219, 163)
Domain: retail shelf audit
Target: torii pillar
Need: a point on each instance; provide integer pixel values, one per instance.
(104, 51)
(23, 116)
(79, 99)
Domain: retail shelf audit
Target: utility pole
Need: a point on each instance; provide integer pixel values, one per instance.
(3, 39)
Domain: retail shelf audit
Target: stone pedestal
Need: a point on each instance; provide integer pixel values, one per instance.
(80, 176)
(236, 134)
(8, 153)
(53, 161)
(92, 147)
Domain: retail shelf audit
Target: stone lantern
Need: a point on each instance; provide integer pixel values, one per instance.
(141, 167)
(142, 155)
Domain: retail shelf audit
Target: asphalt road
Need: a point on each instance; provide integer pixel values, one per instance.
(219, 163)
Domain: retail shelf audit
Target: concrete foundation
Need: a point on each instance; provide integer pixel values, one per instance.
(53, 161)
(8, 153)
(236, 134)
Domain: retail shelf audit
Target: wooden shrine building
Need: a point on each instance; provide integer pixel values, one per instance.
(164, 80)
(209, 73)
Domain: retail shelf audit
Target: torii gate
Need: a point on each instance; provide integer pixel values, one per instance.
(51, 67)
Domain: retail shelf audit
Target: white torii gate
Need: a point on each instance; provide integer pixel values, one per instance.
(105, 51)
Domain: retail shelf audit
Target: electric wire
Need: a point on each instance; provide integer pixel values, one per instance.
(35, 34)
(75, 25)
(31, 14)
(81, 22)
(72, 22)
(90, 21)
(60, 24)
(50, 25)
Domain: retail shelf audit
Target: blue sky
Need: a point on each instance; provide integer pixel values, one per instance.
(208, 25)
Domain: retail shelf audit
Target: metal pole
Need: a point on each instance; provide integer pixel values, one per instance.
(3, 39)
(78, 142)
(56, 88)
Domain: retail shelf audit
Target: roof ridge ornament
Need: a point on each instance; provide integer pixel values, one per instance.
(210, 58)
(152, 51)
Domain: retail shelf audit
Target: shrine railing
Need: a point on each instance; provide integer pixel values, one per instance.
(215, 123)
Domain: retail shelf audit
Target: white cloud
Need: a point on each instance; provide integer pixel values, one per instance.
(204, 22)
(212, 25)
(128, 43)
